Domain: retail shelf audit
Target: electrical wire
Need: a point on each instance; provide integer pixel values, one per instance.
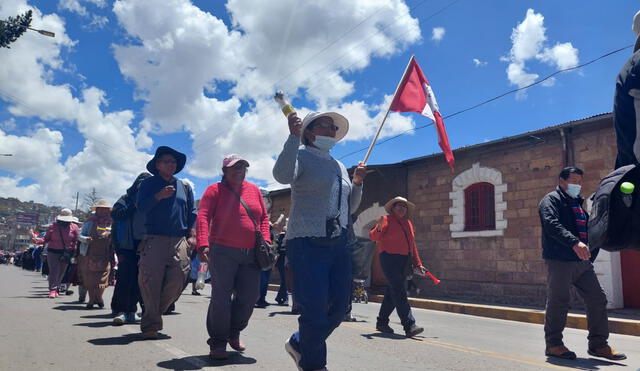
(490, 100)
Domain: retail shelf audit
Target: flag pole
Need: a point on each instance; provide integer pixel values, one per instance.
(375, 138)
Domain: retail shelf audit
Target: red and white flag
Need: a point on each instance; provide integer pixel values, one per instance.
(414, 94)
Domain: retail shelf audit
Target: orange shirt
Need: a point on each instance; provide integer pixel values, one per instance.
(391, 238)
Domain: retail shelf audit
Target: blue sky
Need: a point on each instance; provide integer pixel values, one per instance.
(88, 108)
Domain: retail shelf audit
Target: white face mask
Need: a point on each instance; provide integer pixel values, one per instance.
(573, 190)
(324, 143)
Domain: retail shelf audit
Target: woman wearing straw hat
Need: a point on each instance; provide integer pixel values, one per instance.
(322, 197)
(61, 239)
(96, 265)
(395, 236)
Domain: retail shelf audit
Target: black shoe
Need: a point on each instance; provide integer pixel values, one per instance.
(262, 304)
(195, 293)
(101, 305)
(384, 328)
(413, 330)
(68, 292)
(170, 310)
(89, 306)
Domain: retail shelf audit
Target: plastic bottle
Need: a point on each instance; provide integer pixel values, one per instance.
(627, 189)
(285, 106)
(202, 272)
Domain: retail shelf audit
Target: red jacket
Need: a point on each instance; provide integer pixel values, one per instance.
(393, 240)
(223, 220)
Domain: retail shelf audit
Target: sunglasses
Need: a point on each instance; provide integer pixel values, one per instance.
(324, 124)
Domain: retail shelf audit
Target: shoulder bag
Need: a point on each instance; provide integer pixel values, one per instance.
(65, 257)
(265, 255)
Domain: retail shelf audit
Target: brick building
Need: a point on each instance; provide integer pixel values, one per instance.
(478, 229)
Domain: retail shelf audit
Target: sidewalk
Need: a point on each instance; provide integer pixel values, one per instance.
(621, 321)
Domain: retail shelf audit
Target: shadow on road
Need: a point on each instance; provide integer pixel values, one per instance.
(98, 316)
(69, 307)
(95, 324)
(124, 339)
(43, 296)
(384, 336)
(288, 312)
(197, 362)
(583, 363)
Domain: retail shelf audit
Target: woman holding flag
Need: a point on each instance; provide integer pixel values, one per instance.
(322, 196)
(395, 236)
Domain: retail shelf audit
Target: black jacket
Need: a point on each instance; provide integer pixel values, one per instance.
(624, 112)
(559, 230)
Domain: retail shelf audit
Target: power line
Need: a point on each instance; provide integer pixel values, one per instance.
(341, 70)
(491, 99)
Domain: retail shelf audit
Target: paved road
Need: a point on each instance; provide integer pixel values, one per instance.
(37, 333)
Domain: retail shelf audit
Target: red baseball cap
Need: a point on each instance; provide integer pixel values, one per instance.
(232, 159)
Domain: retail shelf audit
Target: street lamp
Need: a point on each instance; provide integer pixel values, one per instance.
(41, 32)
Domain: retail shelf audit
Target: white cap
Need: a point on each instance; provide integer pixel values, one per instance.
(636, 24)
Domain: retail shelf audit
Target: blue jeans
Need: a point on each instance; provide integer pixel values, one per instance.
(264, 284)
(395, 296)
(322, 283)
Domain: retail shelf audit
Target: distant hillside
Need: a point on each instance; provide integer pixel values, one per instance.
(10, 207)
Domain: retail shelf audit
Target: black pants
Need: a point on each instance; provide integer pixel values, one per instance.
(126, 294)
(561, 275)
(395, 297)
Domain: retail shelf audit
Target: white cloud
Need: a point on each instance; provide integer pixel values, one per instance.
(108, 160)
(76, 6)
(177, 58)
(478, 63)
(529, 42)
(8, 125)
(180, 48)
(437, 33)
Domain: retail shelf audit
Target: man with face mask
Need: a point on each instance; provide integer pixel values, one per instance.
(569, 262)
(322, 198)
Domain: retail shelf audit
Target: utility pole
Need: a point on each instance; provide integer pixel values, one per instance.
(77, 197)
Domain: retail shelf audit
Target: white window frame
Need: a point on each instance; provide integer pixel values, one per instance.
(477, 174)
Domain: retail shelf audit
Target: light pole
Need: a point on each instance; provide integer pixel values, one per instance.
(41, 32)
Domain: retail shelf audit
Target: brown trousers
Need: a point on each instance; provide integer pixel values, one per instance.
(163, 271)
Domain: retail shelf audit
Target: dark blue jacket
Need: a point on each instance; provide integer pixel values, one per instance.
(173, 216)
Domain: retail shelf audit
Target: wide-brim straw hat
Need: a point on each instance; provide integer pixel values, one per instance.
(410, 205)
(65, 215)
(101, 204)
(338, 120)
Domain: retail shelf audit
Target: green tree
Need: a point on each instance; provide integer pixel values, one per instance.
(13, 27)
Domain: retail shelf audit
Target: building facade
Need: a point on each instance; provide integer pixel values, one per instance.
(478, 229)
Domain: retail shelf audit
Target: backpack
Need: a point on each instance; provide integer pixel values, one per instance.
(612, 225)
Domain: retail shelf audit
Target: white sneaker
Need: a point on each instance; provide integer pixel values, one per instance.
(119, 319)
(293, 353)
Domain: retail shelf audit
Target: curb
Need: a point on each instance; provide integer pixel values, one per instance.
(578, 321)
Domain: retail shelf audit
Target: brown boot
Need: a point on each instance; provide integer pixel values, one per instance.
(560, 351)
(608, 353)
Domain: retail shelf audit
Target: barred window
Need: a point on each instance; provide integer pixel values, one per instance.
(479, 207)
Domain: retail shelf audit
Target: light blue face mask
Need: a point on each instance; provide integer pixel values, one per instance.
(324, 143)
(573, 190)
